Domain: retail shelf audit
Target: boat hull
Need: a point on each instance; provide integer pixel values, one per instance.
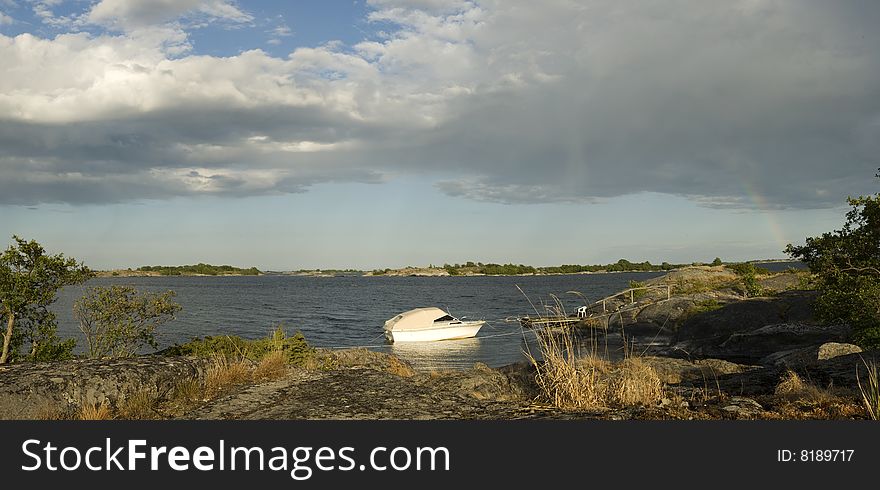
(464, 330)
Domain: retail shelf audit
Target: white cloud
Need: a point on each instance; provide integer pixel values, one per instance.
(738, 103)
(130, 14)
(5, 19)
(281, 31)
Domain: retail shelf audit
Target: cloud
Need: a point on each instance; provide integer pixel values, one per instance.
(130, 14)
(748, 103)
(278, 32)
(5, 19)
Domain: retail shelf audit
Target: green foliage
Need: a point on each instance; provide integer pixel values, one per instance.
(201, 269)
(748, 273)
(638, 293)
(451, 270)
(45, 344)
(29, 281)
(747, 268)
(717, 261)
(118, 320)
(621, 265)
(846, 268)
(506, 269)
(232, 347)
(704, 306)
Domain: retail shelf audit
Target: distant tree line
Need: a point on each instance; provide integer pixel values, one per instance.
(621, 265)
(200, 268)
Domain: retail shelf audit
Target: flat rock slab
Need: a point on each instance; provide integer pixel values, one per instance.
(31, 390)
(354, 393)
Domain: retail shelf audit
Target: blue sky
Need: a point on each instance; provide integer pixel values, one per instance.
(386, 133)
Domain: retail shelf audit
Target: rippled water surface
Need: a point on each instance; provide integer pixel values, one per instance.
(350, 311)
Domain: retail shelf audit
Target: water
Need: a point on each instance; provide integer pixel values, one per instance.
(349, 311)
(782, 266)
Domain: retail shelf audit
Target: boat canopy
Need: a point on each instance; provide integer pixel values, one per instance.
(417, 319)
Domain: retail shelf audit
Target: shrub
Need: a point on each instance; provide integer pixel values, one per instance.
(29, 280)
(295, 348)
(748, 275)
(117, 320)
(638, 293)
(846, 268)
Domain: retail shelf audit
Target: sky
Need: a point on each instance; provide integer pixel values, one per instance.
(386, 133)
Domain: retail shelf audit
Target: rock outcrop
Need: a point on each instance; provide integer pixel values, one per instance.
(39, 390)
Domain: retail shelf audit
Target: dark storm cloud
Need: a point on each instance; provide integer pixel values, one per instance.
(750, 103)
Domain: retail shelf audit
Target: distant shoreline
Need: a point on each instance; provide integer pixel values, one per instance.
(401, 272)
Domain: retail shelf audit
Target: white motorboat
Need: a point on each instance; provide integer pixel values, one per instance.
(428, 324)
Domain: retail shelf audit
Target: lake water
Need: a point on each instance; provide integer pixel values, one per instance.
(350, 311)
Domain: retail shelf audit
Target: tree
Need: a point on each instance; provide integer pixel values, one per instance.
(118, 320)
(846, 268)
(29, 281)
(717, 261)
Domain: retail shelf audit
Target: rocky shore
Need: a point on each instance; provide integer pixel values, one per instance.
(718, 354)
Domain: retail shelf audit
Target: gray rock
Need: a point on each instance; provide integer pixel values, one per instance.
(759, 343)
(843, 371)
(674, 371)
(34, 390)
(830, 350)
(810, 355)
(714, 327)
(742, 407)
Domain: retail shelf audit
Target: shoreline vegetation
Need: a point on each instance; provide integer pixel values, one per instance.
(466, 269)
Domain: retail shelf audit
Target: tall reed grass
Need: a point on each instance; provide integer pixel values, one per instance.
(871, 390)
(570, 379)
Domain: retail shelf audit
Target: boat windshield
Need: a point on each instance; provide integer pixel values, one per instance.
(444, 318)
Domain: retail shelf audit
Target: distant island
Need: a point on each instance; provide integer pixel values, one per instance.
(199, 269)
(466, 269)
(491, 269)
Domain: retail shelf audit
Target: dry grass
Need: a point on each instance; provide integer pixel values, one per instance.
(48, 411)
(272, 366)
(792, 387)
(188, 391)
(634, 383)
(399, 368)
(225, 373)
(571, 381)
(871, 390)
(140, 405)
(91, 411)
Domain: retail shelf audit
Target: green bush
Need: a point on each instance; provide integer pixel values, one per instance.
(233, 347)
(118, 320)
(748, 273)
(29, 281)
(846, 269)
(638, 293)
